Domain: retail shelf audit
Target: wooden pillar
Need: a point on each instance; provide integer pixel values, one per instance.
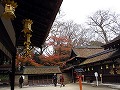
(12, 75)
(73, 75)
(47, 79)
(33, 80)
(101, 77)
(38, 79)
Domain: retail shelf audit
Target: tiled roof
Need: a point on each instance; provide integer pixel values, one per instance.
(70, 59)
(100, 57)
(115, 39)
(112, 42)
(42, 70)
(68, 68)
(85, 52)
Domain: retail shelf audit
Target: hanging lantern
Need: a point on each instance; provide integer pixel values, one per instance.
(27, 52)
(27, 26)
(27, 33)
(106, 66)
(92, 68)
(10, 6)
(27, 44)
(88, 69)
(28, 38)
(113, 66)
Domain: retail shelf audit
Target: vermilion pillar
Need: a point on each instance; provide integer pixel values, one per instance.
(80, 82)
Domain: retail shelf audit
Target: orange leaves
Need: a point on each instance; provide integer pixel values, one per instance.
(23, 61)
(33, 63)
(54, 60)
(61, 50)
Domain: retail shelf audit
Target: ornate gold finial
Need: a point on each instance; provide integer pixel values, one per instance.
(27, 26)
(10, 6)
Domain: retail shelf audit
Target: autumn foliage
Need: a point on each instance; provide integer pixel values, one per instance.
(20, 60)
(61, 52)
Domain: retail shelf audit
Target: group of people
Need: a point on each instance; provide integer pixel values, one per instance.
(61, 80)
(54, 80)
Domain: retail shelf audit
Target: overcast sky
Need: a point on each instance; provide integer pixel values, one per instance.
(79, 10)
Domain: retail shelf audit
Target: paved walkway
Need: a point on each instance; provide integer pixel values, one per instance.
(115, 86)
(67, 87)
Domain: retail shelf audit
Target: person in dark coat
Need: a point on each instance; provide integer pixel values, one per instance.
(62, 80)
(10, 78)
(55, 80)
(20, 81)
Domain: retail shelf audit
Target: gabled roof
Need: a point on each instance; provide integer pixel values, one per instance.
(70, 59)
(68, 68)
(99, 57)
(112, 43)
(87, 51)
(115, 39)
(42, 70)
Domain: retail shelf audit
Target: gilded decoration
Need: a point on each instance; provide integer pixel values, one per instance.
(9, 12)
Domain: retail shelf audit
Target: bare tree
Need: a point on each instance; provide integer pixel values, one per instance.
(74, 33)
(105, 24)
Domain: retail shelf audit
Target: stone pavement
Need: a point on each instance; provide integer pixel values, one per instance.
(71, 86)
(45, 87)
(114, 86)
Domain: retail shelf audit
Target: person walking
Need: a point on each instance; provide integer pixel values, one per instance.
(55, 80)
(20, 81)
(62, 80)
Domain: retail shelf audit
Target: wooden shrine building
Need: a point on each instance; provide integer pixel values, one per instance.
(42, 75)
(105, 63)
(78, 55)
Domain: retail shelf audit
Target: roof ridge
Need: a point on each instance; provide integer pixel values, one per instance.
(101, 53)
(40, 66)
(89, 47)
